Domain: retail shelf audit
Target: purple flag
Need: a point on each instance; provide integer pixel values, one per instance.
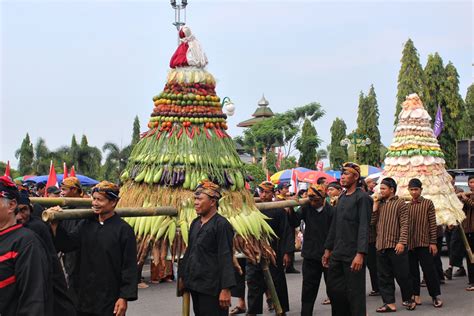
(438, 124)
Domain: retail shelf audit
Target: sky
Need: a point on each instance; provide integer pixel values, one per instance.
(89, 67)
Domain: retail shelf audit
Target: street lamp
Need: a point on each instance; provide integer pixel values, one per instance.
(229, 106)
(356, 140)
(179, 5)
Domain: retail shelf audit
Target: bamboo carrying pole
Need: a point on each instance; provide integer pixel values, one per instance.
(186, 304)
(77, 202)
(466, 243)
(49, 216)
(271, 286)
(140, 211)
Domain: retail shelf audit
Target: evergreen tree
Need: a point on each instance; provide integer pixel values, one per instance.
(74, 151)
(453, 110)
(337, 153)
(43, 157)
(89, 159)
(136, 131)
(410, 77)
(467, 129)
(307, 144)
(372, 155)
(25, 156)
(435, 76)
(362, 128)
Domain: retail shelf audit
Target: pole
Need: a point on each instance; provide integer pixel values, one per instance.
(61, 201)
(186, 303)
(49, 215)
(466, 243)
(271, 286)
(134, 211)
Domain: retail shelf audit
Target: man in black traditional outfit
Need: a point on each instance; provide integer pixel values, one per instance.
(62, 302)
(347, 245)
(206, 269)
(317, 216)
(282, 246)
(24, 273)
(108, 257)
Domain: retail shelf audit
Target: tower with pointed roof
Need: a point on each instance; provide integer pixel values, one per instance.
(263, 112)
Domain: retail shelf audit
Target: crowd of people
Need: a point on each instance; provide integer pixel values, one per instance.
(89, 266)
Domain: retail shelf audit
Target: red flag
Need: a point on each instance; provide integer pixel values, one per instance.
(64, 171)
(320, 165)
(72, 173)
(294, 181)
(7, 170)
(279, 159)
(52, 179)
(268, 176)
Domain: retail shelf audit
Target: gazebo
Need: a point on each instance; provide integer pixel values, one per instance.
(263, 112)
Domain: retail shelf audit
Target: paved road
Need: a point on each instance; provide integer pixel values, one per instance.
(160, 299)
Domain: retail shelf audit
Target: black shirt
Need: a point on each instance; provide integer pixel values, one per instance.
(349, 230)
(286, 234)
(207, 263)
(108, 262)
(24, 274)
(316, 230)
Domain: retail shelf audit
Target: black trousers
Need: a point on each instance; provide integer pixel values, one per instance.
(239, 289)
(256, 287)
(422, 256)
(207, 305)
(346, 289)
(312, 272)
(437, 259)
(390, 266)
(372, 265)
(457, 251)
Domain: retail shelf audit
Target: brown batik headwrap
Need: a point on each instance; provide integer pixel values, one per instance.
(209, 188)
(317, 189)
(267, 185)
(71, 182)
(109, 189)
(352, 168)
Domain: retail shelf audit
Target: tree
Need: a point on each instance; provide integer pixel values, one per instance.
(468, 117)
(136, 131)
(256, 172)
(25, 155)
(88, 159)
(410, 76)
(279, 130)
(453, 110)
(307, 144)
(435, 77)
(116, 161)
(13, 173)
(371, 154)
(321, 154)
(43, 156)
(337, 153)
(74, 151)
(362, 129)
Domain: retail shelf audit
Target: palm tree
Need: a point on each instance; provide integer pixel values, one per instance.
(116, 160)
(321, 154)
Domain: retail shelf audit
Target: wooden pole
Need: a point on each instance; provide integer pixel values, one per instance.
(49, 215)
(186, 303)
(280, 204)
(466, 243)
(271, 287)
(49, 202)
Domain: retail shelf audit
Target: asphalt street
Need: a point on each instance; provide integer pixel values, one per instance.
(160, 299)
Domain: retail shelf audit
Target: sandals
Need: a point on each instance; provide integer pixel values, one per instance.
(470, 288)
(326, 301)
(385, 309)
(374, 293)
(237, 310)
(410, 305)
(270, 306)
(437, 302)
